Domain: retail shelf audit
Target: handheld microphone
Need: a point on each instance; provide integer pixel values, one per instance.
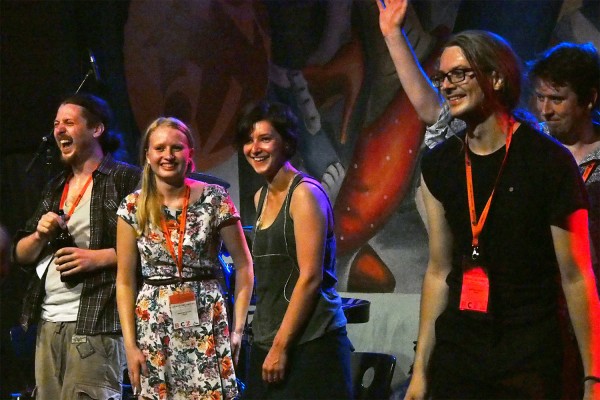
(94, 66)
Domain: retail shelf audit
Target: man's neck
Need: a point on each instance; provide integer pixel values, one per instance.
(87, 167)
(586, 141)
(489, 135)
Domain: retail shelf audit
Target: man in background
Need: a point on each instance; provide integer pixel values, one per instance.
(566, 81)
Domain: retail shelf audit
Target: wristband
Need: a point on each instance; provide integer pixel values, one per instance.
(596, 379)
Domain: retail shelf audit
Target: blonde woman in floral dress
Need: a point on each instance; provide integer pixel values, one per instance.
(175, 327)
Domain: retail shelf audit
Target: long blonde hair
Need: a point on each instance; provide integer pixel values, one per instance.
(149, 202)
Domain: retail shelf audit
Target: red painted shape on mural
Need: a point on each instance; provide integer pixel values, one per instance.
(379, 174)
(369, 274)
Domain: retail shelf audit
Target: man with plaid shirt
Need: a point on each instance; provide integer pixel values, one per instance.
(79, 348)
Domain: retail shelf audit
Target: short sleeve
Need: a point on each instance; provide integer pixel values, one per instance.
(569, 192)
(225, 209)
(441, 165)
(445, 127)
(128, 208)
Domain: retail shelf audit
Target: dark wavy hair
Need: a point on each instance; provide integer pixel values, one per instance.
(575, 65)
(278, 115)
(97, 111)
(488, 53)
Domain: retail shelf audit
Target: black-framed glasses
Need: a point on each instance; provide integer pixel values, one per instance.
(455, 76)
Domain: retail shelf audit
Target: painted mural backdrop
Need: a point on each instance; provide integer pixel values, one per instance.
(203, 60)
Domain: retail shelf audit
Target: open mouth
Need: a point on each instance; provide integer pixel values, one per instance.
(65, 144)
(259, 159)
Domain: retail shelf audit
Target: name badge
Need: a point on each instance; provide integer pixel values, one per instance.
(184, 310)
(475, 290)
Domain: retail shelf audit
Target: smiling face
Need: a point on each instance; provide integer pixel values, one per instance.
(559, 107)
(169, 154)
(75, 139)
(265, 149)
(466, 97)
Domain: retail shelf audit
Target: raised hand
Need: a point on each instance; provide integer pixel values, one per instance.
(391, 15)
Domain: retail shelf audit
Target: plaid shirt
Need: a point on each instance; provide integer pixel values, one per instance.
(97, 313)
(592, 184)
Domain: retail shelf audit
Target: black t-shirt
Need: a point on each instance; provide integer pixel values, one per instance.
(539, 187)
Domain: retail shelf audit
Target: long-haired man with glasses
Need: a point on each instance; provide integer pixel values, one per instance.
(507, 216)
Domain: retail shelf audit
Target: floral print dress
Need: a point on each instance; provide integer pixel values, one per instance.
(192, 362)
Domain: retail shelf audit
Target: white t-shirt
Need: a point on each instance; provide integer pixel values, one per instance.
(61, 302)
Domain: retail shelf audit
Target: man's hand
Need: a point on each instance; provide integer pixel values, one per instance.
(592, 390)
(73, 260)
(417, 387)
(49, 225)
(391, 17)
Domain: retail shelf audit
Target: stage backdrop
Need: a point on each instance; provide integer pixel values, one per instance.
(201, 61)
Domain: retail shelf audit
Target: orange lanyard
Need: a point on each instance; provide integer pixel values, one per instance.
(477, 226)
(588, 170)
(65, 193)
(167, 234)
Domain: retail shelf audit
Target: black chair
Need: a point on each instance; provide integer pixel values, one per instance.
(372, 374)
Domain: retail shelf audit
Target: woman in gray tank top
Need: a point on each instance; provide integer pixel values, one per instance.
(300, 347)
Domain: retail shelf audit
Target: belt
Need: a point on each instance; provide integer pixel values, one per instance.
(174, 280)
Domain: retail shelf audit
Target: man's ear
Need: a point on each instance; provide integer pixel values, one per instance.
(99, 130)
(497, 81)
(593, 99)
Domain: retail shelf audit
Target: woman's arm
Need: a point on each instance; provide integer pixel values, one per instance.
(310, 209)
(422, 95)
(127, 262)
(434, 295)
(233, 237)
(572, 249)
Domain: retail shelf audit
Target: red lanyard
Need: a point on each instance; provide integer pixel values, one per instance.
(588, 170)
(477, 226)
(167, 234)
(65, 192)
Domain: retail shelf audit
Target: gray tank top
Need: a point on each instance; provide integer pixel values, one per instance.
(276, 270)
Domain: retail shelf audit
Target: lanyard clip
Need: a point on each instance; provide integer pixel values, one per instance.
(475, 254)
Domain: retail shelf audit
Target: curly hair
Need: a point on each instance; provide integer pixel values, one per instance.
(573, 65)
